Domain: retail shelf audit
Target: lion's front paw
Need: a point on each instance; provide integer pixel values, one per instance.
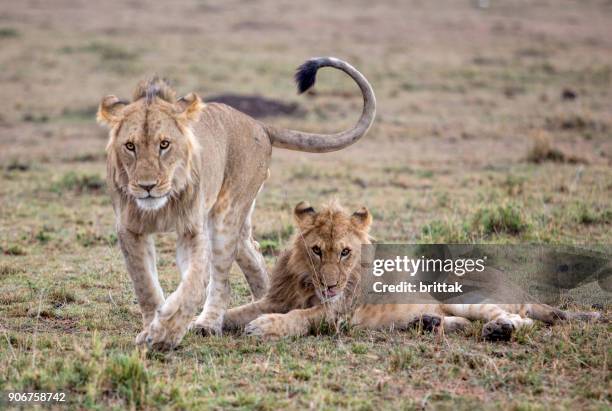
(267, 326)
(166, 330)
(164, 335)
(141, 338)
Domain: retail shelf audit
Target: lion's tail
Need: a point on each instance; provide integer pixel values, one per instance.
(323, 143)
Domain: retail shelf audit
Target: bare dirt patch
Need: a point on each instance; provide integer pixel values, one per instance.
(257, 106)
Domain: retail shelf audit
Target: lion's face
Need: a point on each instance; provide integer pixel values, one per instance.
(154, 155)
(331, 244)
(151, 146)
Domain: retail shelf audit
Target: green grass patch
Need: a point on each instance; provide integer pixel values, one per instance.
(587, 215)
(80, 183)
(10, 269)
(79, 115)
(402, 359)
(8, 32)
(272, 242)
(43, 235)
(126, 377)
(106, 51)
(359, 348)
(506, 219)
(60, 297)
(444, 231)
(35, 118)
(88, 237)
(14, 249)
(18, 165)
(502, 219)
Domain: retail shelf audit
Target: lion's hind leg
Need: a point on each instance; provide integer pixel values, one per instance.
(551, 315)
(250, 260)
(454, 324)
(226, 224)
(397, 316)
(500, 324)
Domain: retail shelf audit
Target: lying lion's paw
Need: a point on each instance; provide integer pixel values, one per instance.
(267, 326)
(498, 330)
(430, 322)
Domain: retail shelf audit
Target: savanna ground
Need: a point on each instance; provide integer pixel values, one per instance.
(494, 125)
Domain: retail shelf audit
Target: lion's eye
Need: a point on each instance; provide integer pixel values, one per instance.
(316, 250)
(164, 144)
(345, 252)
(130, 146)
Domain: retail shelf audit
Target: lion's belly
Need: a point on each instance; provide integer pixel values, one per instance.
(235, 156)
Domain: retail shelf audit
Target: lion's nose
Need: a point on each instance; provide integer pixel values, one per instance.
(147, 186)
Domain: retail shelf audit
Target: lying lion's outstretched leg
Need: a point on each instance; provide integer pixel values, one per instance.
(551, 315)
(139, 253)
(250, 260)
(500, 323)
(399, 316)
(238, 317)
(453, 324)
(373, 316)
(294, 323)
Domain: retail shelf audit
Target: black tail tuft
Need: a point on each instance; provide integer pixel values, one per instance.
(306, 75)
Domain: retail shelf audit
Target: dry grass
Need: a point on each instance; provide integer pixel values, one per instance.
(542, 150)
(460, 90)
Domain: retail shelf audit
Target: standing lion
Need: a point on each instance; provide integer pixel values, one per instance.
(196, 168)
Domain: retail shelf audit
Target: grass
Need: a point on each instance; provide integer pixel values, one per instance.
(8, 32)
(271, 243)
(14, 249)
(73, 181)
(473, 143)
(102, 371)
(500, 219)
(590, 215)
(440, 232)
(486, 222)
(106, 51)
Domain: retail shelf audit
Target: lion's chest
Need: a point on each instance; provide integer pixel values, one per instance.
(168, 219)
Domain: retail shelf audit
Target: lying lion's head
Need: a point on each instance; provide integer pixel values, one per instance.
(151, 145)
(330, 242)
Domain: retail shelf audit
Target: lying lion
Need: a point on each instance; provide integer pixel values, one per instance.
(318, 279)
(194, 168)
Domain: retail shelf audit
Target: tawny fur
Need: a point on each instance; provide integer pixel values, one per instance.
(295, 299)
(294, 303)
(181, 165)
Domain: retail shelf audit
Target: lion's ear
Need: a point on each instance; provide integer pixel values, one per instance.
(190, 107)
(304, 213)
(109, 111)
(362, 219)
